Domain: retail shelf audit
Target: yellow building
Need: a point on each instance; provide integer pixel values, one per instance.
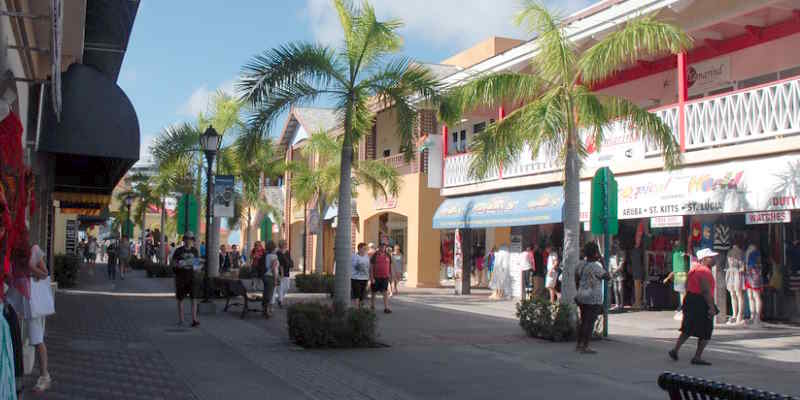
(404, 219)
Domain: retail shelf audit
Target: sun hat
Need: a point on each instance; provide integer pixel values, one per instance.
(703, 253)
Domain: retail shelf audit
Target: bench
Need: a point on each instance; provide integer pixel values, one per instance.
(682, 387)
(233, 288)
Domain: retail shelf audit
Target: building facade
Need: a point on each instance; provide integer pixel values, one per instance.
(732, 104)
(59, 63)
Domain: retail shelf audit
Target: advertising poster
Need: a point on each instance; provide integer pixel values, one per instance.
(223, 196)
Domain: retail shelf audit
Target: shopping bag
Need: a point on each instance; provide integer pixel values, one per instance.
(41, 298)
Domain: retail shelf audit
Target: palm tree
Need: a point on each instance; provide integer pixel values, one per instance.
(351, 77)
(180, 146)
(320, 182)
(140, 186)
(257, 160)
(559, 106)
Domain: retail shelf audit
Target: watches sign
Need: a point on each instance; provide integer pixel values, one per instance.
(768, 217)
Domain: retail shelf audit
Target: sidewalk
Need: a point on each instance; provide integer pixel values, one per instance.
(121, 342)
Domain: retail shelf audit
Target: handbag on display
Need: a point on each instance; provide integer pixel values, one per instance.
(41, 301)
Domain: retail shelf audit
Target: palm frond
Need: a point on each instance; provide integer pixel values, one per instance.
(378, 177)
(370, 39)
(649, 126)
(279, 101)
(639, 38)
(176, 143)
(285, 66)
(556, 59)
(491, 90)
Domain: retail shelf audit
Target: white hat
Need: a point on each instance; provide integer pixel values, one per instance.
(703, 253)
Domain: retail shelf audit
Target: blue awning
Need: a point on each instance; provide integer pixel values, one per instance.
(518, 208)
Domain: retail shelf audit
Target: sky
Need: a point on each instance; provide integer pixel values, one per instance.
(182, 51)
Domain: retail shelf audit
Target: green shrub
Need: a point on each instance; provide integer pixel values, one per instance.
(158, 270)
(539, 318)
(65, 269)
(314, 283)
(313, 325)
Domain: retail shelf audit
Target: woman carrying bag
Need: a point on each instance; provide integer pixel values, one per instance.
(34, 310)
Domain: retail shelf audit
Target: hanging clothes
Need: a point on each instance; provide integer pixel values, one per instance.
(8, 383)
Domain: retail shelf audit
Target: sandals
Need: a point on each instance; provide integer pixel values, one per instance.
(698, 361)
(673, 355)
(43, 383)
(387, 311)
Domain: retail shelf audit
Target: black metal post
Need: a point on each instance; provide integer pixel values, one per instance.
(209, 218)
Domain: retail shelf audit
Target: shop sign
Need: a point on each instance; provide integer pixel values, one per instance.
(385, 202)
(516, 243)
(709, 75)
(767, 184)
(621, 143)
(768, 217)
(672, 221)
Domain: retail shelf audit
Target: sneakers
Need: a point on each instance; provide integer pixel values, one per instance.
(43, 383)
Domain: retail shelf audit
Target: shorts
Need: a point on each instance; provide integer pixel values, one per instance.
(184, 282)
(733, 280)
(35, 327)
(752, 279)
(381, 285)
(358, 289)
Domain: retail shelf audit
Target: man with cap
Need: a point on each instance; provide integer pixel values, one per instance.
(183, 260)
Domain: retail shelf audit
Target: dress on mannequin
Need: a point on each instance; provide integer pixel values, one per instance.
(735, 284)
(752, 282)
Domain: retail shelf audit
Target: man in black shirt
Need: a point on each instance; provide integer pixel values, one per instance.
(286, 263)
(183, 260)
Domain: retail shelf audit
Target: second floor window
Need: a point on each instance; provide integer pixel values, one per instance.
(460, 141)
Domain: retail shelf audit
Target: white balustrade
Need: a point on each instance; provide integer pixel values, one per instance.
(527, 164)
(456, 171)
(748, 115)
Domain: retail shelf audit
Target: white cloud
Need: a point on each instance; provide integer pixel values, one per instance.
(200, 99)
(456, 24)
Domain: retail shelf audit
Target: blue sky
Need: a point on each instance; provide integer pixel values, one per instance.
(181, 51)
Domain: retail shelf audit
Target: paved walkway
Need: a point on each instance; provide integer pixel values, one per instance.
(121, 342)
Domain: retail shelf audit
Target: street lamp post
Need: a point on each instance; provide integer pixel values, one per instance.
(209, 143)
(128, 203)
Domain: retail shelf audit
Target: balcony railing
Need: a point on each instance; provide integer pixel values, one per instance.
(399, 163)
(752, 114)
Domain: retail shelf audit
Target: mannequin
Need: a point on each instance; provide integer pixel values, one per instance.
(500, 276)
(637, 271)
(734, 283)
(678, 275)
(617, 268)
(753, 283)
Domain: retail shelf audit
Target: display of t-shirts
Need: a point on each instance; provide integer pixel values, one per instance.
(679, 268)
(707, 236)
(722, 237)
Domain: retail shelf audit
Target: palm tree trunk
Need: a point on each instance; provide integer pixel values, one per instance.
(318, 261)
(162, 253)
(571, 224)
(341, 296)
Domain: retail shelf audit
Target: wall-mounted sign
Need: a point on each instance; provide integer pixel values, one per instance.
(516, 243)
(672, 221)
(385, 202)
(709, 75)
(768, 217)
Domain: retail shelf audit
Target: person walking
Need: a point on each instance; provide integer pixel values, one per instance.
(124, 256)
(183, 261)
(270, 277)
(360, 276)
(111, 264)
(379, 275)
(224, 259)
(236, 257)
(256, 254)
(92, 251)
(699, 309)
(286, 266)
(34, 326)
(590, 276)
(398, 267)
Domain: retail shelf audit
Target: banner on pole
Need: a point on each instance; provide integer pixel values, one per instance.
(223, 195)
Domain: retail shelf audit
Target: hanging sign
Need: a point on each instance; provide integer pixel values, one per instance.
(672, 221)
(768, 217)
(709, 75)
(223, 196)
